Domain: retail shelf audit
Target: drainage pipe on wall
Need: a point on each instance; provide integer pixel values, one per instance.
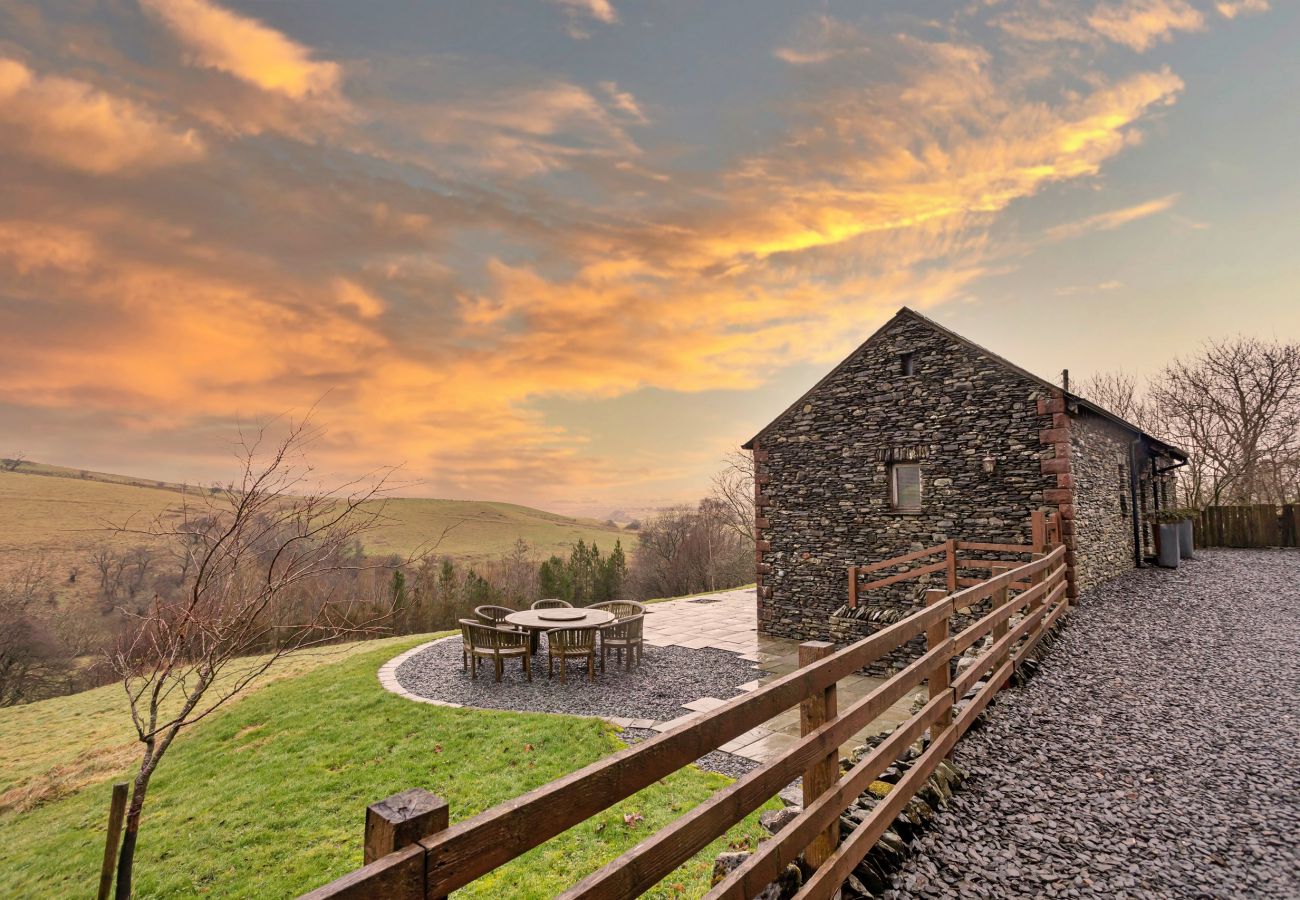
(1135, 508)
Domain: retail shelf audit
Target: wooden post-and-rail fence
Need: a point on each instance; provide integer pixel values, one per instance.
(446, 858)
(948, 558)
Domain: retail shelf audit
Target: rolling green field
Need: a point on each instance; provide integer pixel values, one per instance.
(60, 514)
(266, 798)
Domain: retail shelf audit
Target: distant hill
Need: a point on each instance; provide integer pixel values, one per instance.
(62, 513)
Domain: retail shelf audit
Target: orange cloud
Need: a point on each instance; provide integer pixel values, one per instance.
(518, 244)
(1141, 24)
(1230, 9)
(243, 47)
(1112, 218)
(75, 125)
(600, 10)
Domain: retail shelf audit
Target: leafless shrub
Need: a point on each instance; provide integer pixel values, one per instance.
(1235, 408)
(261, 553)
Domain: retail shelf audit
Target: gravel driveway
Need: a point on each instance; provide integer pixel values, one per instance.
(1156, 753)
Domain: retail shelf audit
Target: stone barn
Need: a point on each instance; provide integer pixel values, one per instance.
(921, 436)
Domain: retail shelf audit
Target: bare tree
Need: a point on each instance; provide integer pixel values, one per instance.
(11, 463)
(33, 662)
(733, 491)
(1236, 406)
(257, 548)
(1117, 392)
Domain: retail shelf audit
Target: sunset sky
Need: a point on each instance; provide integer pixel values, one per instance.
(570, 252)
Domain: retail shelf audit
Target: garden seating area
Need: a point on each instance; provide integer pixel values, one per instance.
(699, 652)
(500, 633)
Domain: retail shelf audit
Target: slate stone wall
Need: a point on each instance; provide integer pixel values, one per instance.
(1103, 527)
(823, 471)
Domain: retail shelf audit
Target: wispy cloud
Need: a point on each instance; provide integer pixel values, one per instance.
(72, 124)
(1112, 219)
(1141, 24)
(1099, 288)
(251, 51)
(581, 12)
(489, 235)
(1230, 9)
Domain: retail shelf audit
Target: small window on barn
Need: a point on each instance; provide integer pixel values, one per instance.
(907, 364)
(905, 485)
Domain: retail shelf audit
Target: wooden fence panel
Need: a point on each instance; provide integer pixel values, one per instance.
(1257, 525)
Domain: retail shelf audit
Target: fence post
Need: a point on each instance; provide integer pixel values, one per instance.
(822, 775)
(1000, 628)
(401, 820)
(940, 680)
(1038, 529)
(853, 587)
(116, 812)
(951, 547)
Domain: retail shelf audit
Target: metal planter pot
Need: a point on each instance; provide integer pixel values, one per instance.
(1185, 540)
(1167, 555)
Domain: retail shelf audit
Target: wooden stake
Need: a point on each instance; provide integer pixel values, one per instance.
(950, 547)
(822, 775)
(116, 812)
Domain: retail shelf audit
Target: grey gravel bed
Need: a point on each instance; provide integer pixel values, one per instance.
(656, 689)
(1156, 753)
(723, 763)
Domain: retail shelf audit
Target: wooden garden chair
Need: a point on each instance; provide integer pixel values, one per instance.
(622, 635)
(466, 642)
(567, 643)
(497, 644)
(621, 609)
(552, 604)
(495, 615)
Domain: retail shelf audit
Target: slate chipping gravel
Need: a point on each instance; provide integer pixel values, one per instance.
(666, 678)
(728, 764)
(1155, 754)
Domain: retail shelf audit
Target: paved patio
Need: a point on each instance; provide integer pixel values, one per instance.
(724, 621)
(728, 620)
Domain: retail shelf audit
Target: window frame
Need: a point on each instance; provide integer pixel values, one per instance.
(907, 364)
(893, 487)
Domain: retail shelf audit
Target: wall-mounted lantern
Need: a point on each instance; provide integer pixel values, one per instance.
(989, 465)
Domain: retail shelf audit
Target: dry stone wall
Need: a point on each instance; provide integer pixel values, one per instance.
(1103, 527)
(824, 468)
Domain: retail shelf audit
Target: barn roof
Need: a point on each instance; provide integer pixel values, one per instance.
(1156, 444)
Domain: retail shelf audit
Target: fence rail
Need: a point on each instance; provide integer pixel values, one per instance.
(439, 863)
(1260, 525)
(1045, 529)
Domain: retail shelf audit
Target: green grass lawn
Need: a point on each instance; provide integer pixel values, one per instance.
(267, 798)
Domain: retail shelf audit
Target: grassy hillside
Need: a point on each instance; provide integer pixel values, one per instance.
(265, 799)
(64, 513)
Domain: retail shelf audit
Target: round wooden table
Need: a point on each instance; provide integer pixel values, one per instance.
(536, 621)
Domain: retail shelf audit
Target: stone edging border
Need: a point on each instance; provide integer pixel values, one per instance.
(388, 681)
(388, 674)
